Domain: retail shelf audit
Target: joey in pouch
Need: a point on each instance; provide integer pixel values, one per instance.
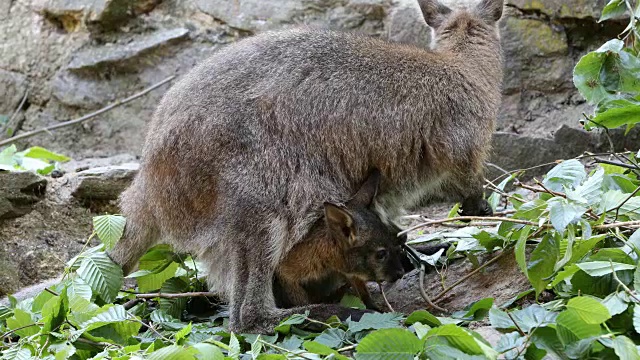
(244, 150)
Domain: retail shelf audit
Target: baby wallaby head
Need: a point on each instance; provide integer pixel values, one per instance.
(459, 24)
(371, 249)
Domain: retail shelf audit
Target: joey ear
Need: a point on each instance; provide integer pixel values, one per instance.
(490, 10)
(340, 223)
(367, 192)
(433, 12)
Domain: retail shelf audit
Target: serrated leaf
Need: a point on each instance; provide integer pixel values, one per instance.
(568, 173)
(571, 327)
(321, 349)
(16, 353)
(600, 268)
(542, 262)
(103, 275)
(375, 321)
(175, 306)
(172, 352)
(625, 348)
(208, 351)
(590, 310)
(458, 338)
(109, 229)
(424, 317)
(332, 337)
(182, 334)
(388, 344)
(562, 213)
(21, 320)
(616, 303)
(234, 346)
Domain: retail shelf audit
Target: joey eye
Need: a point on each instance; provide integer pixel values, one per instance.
(381, 254)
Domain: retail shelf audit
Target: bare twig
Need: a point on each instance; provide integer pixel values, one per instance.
(18, 329)
(384, 296)
(423, 292)
(176, 295)
(620, 283)
(617, 208)
(439, 297)
(51, 292)
(85, 117)
(281, 349)
(17, 111)
(462, 218)
(616, 163)
(515, 323)
(347, 348)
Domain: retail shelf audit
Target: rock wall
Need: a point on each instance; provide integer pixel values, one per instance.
(66, 58)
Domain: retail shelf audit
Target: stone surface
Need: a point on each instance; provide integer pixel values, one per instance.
(12, 89)
(406, 25)
(256, 15)
(70, 14)
(116, 53)
(579, 9)
(103, 183)
(18, 192)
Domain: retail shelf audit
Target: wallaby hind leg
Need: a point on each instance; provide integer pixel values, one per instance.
(252, 306)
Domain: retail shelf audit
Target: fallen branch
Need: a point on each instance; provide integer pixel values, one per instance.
(439, 297)
(86, 117)
(423, 292)
(176, 295)
(384, 296)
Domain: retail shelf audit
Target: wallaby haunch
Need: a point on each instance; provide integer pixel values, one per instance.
(350, 244)
(244, 149)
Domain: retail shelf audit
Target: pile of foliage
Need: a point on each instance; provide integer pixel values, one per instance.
(574, 235)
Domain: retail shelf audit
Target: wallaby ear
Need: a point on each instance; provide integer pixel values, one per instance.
(433, 12)
(340, 223)
(368, 190)
(490, 10)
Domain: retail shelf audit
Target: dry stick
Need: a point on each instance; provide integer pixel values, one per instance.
(617, 208)
(423, 292)
(175, 295)
(460, 218)
(18, 329)
(17, 111)
(384, 296)
(439, 297)
(86, 117)
(515, 323)
(625, 287)
(609, 162)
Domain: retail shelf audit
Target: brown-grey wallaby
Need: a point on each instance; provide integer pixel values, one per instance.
(243, 151)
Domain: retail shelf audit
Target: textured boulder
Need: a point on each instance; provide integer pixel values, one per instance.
(108, 13)
(18, 192)
(578, 9)
(255, 15)
(103, 183)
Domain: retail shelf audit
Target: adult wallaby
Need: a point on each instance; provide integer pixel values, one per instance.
(241, 150)
(350, 244)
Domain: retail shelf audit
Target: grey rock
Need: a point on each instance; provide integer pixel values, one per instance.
(85, 92)
(5, 7)
(107, 13)
(513, 151)
(258, 15)
(103, 183)
(12, 89)
(112, 54)
(579, 9)
(19, 191)
(407, 26)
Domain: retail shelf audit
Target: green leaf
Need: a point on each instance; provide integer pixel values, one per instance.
(625, 348)
(102, 275)
(527, 319)
(37, 152)
(109, 229)
(392, 344)
(17, 353)
(520, 250)
(600, 268)
(351, 301)
(562, 213)
(208, 351)
(619, 116)
(54, 312)
(175, 306)
(153, 280)
(182, 334)
(614, 9)
(569, 173)
(332, 337)
(476, 311)
(616, 303)
(531, 210)
(636, 318)
(571, 327)
(458, 338)
(172, 352)
(375, 321)
(234, 346)
(7, 158)
(20, 320)
(590, 310)
(321, 349)
(424, 317)
(542, 262)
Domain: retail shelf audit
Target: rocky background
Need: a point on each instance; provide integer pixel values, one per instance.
(70, 57)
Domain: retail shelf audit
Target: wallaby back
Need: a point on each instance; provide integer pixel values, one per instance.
(240, 151)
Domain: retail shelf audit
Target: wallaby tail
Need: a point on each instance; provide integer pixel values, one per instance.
(140, 232)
